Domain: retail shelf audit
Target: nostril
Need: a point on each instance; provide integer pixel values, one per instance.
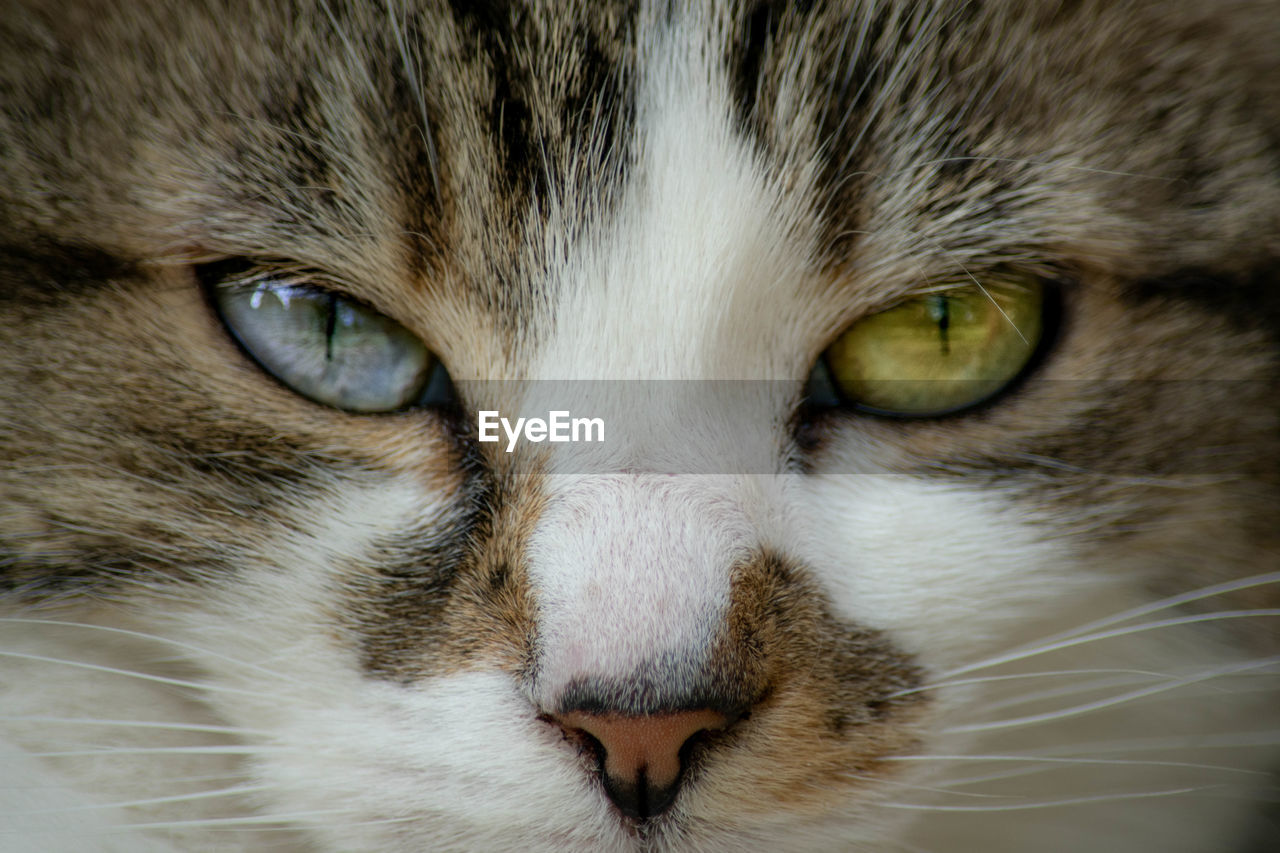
(641, 757)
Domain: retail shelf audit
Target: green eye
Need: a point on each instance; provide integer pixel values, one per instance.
(329, 348)
(940, 352)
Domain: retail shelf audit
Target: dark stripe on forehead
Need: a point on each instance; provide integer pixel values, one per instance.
(810, 63)
(292, 101)
(755, 39)
(558, 88)
(412, 133)
(747, 56)
(509, 114)
(551, 87)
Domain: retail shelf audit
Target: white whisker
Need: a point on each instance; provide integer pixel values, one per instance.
(956, 260)
(159, 679)
(153, 801)
(986, 679)
(1170, 602)
(1045, 759)
(259, 822)
(930, 789)
(1133, 695)
(135, 724)
(283, 676)
(1177, 743)
(1034, 765)
(162, 750)
(1072, 641)
(1261, 680)
(1049, 804)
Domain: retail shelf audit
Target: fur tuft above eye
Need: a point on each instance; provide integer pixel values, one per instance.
(936, 354)
(328, 347)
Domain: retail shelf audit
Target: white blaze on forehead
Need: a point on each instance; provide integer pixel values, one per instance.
(685, 277)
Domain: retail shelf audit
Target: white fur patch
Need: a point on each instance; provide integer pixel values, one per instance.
(646, 295)
(613, 596)
(947, 570)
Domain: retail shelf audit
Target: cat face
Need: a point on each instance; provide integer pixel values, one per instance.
(932, 349)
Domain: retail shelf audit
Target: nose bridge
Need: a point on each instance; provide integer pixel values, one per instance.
(633, 571)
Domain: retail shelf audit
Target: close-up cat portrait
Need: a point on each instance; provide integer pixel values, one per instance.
(669, 426)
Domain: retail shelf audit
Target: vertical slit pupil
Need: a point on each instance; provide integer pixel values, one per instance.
(940, 312)
(330, 324)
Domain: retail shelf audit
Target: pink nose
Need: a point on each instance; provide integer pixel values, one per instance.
(640, 756)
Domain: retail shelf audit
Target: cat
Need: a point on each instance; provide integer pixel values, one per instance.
(927, 357)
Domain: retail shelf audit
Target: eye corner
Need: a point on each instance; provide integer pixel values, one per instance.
(438, 392)
(820, 392)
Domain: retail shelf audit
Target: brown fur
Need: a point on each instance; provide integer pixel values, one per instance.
(1127, 152)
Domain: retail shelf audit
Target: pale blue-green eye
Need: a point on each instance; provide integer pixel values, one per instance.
(327, 347)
